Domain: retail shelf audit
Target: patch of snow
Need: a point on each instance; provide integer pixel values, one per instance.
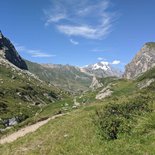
(102, 65)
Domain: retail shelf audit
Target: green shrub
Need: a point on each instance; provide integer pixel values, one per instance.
(116, 119)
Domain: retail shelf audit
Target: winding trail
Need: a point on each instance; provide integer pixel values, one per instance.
(22, 132)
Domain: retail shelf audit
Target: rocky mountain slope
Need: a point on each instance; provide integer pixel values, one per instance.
(143, 61)
(8, 51)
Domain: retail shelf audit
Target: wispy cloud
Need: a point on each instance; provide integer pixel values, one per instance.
(74, 42)
(116, 62)
(54, 18)
(33, 53)
(39, 54)
(100, 58)
(87, 19)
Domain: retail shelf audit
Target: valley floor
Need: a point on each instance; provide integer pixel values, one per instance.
(75, 134)
(129, 111)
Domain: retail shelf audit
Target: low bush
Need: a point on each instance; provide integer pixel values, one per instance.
(115, 119)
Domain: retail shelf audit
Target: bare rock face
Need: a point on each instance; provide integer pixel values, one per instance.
(8, 52)
(105, 92)
(143, 61)
(145, 83)
(95, 83)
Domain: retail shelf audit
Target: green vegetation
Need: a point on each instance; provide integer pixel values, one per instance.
(123, 86)
(151, 44)
(119, 118)
(65, 77)
(150, 74)
(122, 124)
(77, 134)
(22, 96)
(107, 80)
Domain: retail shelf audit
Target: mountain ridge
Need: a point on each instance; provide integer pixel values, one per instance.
(8, 51)
(143, 61)
(102, 69)
(68, 77)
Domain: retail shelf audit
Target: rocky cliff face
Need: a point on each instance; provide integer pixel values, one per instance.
(8, 52)
(143, 61)
(95, 83)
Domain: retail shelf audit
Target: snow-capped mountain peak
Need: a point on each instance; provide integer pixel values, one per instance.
(101, 65)
(101, 69)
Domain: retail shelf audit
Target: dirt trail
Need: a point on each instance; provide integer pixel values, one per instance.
(26, 130)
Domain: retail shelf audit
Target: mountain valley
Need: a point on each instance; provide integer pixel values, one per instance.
(102, 108)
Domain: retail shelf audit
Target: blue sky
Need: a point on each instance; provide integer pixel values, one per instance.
(78, 32)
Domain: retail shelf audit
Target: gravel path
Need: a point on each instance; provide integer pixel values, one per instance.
(26, 130)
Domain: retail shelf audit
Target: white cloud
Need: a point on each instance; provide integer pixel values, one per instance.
(54, 18)
(116, 62)
(42, 55)
(84, 31)
(39, 54)
(33, 53)
(74, 42)
(90, 20)
(99, 58)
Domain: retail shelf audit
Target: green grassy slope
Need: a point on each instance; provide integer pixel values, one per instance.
(77, 134)
(129, 113)
(22, 95)
(65, 77)
(120, 87)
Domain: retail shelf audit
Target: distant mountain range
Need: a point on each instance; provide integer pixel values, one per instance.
(76, 79)
(67, 77)
(101, 69)
(70, 77)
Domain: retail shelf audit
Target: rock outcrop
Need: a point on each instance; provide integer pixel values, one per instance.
(143, 61)
(105, 92)
(95, 83)
(8, 52)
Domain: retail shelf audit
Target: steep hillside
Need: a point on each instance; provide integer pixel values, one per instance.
(73, 78)
(8, 51)
(143, 61)
(22, 94)
(64, 76)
